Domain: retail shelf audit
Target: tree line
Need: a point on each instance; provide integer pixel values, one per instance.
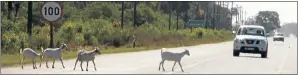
(111, 23)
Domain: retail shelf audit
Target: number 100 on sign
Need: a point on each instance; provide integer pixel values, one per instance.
(51, 11)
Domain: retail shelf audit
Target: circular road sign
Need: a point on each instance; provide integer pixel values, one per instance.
(51, 11)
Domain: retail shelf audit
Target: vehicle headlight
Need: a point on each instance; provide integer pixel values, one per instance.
(238, 40)
(263, 41)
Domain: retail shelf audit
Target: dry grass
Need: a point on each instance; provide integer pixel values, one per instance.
(145, 43)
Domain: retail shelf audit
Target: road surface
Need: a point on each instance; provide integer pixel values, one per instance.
(204, 59)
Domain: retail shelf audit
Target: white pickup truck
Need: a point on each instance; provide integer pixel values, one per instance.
(251, 39)
(278, 37)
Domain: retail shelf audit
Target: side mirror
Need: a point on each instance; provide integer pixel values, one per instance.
(234, 32)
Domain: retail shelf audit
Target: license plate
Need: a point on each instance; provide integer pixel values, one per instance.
(249, 48)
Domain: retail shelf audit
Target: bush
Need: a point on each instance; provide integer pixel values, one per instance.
(93, 24)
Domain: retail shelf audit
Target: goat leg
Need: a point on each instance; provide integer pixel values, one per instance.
(174, 65)
(47, 63)
(159, 65)
(75, 64)
(81, 66)
(163, 68)
(181, 66)
(94, 65)
(53, 63)
(22, 62)
(87, 66)
(40, 62)
(62, 63)
(33, 64)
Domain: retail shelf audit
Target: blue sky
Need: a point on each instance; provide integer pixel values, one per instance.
(287, 10)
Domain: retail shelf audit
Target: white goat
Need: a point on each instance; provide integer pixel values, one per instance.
(170, 56)
(87, 56)
(31, 54)
(53, 53)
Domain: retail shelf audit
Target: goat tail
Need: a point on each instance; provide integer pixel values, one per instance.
(21, 51)
(42, 50)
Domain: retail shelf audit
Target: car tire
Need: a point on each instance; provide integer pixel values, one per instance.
(236, 53)
(264, 54)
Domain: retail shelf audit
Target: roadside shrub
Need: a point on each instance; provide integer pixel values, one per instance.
(93, 24)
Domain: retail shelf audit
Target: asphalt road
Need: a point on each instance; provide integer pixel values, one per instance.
(204, 59)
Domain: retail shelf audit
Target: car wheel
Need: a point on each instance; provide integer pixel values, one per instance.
(236, 53)
(264, 54)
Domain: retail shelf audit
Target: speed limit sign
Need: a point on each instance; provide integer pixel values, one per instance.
(51, 11)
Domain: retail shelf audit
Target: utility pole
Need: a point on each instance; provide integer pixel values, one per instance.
(237, 14)
(122, 13)
(228, 17)
(217, 14)
(213, 18)
(231, 12)
(135, 14)
(0, 23)
(206, 13)
(241, 14)
(170, 14)
(29, 21)
(220, 14)
(245, 17)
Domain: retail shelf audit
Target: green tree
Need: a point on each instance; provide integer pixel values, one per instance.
(268, 19)
(167, 7)
(180, 7)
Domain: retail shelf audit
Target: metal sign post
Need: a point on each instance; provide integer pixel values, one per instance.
(51, 35)
(52, 11)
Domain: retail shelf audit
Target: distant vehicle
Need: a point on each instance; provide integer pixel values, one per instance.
(251, 39)
(278, 37)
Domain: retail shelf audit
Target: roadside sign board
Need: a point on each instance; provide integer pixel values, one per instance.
(195, 23)
(52, 11)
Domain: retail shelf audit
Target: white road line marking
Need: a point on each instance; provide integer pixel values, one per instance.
(198, 62)
(122, 69)
(283, 62)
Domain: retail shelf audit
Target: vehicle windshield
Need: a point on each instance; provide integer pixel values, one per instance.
(280, 34)
(251, 31)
